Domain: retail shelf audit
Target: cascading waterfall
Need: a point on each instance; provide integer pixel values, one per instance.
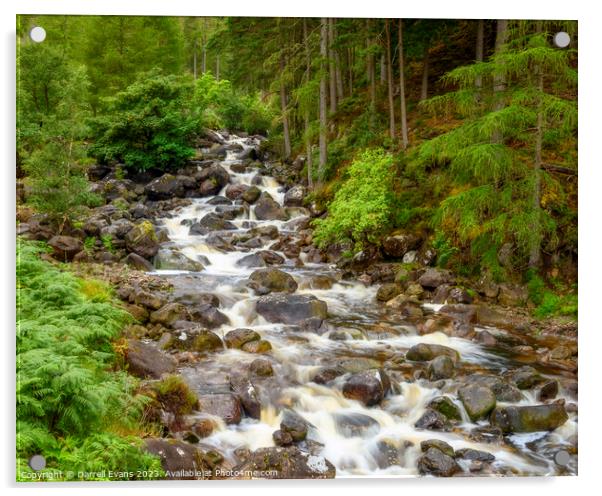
(298, 355)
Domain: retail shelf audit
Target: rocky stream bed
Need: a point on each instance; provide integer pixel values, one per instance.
(307, 364)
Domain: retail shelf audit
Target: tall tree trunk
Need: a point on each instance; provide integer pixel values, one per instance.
(424, 89)
(308, 153)
(194, 60)
(383, 70)
(390, 81)
(535, 251)
(402, 90)
(479, 48)
(370, 65)
(499, 79)
(217, 67)
(283, 105)
(323, 120)
(331, 67)
(350, 69)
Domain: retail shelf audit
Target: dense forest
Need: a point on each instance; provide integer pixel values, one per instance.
(426, 142)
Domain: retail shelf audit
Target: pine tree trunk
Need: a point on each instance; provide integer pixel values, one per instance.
(425, 75)
(337, 64)
(383, 70)
(479, 48)
(350, 69)
(194, 60)
(535, 251)
(283, 105)
(331, 67)
(499, 79)
(323, 121)
(390, 81)
(402, 90)
(309, 159)
(371, 73)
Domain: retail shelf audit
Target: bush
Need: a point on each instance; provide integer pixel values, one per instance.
(71, 406)
(59, 187)
(221, 106)
(362, 208)
(149, 125)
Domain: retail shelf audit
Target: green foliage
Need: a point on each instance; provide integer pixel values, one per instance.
(149, 125)
(68, 399)
(362, 207)
(444, 249)
(174, 395)
(549, 303)
(494, 196)
(221, 106)
(59, 186)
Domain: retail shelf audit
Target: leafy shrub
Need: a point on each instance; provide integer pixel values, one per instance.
(221, 106)
(362, 207)
(68, 399)
(148, 125)
(59, 187)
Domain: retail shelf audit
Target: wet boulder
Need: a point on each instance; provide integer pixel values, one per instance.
(388, 291)
(398, 245)
(503, 390)
(219, 200)
(432, 278)
(355, 424)
(437, 444)
(179, 459)
(264, 281)
(245, 390)
(327, 374)
(475, 455)
(64, 248)
(433, 420)
(267, 208)
(142, 240)
(436, 462)
(478, 401)
(290, 308)
(445, 406)
(196, 339)
(294, 424)
(144, 360)
(441, 367)
(526, 377)
(165, 187)
(226, 406)
(137, 262)
(239, 337)
(234, 191)
(212, 179)
(168, 314)
(259, 346)
(261, 367)
(369, 387)
(282, 438)
(167, 259)
(424, 352)
(211, 222)
(530, 418)
(287, 463)
(251, 195)
(208, 315)
(294, 197)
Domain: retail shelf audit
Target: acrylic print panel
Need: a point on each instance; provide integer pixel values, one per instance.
(295, 248)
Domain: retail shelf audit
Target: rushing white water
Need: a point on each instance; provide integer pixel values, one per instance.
(297, 356)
